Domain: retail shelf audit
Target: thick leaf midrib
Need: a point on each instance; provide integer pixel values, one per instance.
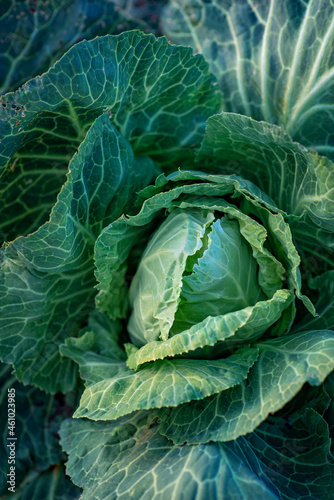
(75, 120)
(57, 135)
(293, 127)
(318, 60)
(30, 211)
(193, 32)
(21, 55)
(295, 60)
(87, 234)
(47, 156)
(285, 351)
(302, 102)
(264, 69)
(239, 66)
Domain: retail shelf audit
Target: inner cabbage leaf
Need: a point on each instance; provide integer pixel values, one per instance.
(225, 278)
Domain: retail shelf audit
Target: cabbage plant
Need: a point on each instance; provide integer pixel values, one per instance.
(166, 283)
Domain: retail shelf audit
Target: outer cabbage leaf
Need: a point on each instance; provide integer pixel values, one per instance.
(163, 383)
(283, 367)
(47, 279)
(38, 456)
(128, 458)
(316, 249)
(291, 455)
(324, 285)
(286, 458)
(291, 450)
(97, 349)
(113, 390)
(44, 121)
(329, 387)
(107, 334)
(93, 366)
(52, 484)
(274, 59)
(315, 397)
(35, 35)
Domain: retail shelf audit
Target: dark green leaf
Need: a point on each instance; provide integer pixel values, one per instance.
(51, 485)
(34, 35)
(163, 383)
(98, 350)
(47, 280)
(274, 59)
(151, 90)
(324, 285)
(291, 456)
(283, 367)
(127, 459)
(37, 417)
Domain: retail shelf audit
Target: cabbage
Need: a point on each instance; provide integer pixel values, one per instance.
(166, 280)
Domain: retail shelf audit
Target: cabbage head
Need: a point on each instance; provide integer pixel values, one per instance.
(213, 253)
